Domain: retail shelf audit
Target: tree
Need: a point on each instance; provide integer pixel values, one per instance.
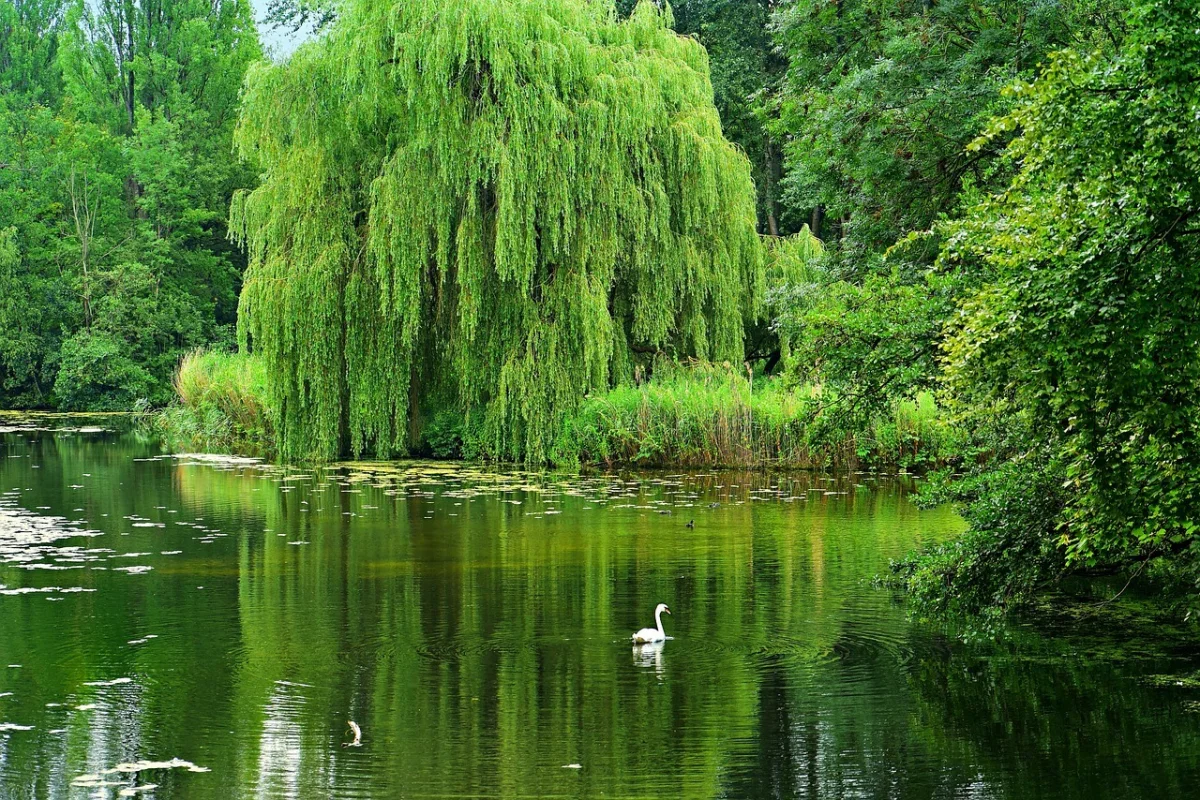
(295, 15)
(746, 69)
(881, 99)
(115, 175)
(1083, 325)
(500, 205)
(29, 39)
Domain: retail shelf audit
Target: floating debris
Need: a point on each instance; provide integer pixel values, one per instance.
(141, 766)
(31, 540)
(95, 780)
(45, 590)
(217, 459)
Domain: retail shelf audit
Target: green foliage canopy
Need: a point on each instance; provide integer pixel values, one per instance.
(1084, 323)
(881, 98)
(497, 205)
(115, 177)
(746, 68)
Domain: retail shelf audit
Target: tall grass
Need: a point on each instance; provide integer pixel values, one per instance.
(697, 415)
(220, 405)
(716, 416)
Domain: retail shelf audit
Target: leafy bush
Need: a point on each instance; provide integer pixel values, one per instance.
(95, 374)
(1010, 550)
(442, 435)
(868, 343)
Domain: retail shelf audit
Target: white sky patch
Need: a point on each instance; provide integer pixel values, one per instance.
(278, 42)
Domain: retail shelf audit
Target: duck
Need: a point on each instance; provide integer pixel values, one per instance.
(647, 635)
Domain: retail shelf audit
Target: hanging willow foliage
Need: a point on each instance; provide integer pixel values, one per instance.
(491, 204)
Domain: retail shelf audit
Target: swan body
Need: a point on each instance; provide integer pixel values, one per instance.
(647, 635)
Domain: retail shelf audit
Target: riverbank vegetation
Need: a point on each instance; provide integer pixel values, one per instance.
(801, 233)
(696, 415)
(1078, 319)
(714, 416)
(219, 407)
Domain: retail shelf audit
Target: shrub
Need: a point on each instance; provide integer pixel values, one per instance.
(442, 435)
(95, 374)
(1011, 549)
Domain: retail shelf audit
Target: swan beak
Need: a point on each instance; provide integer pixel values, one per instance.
(667, 610)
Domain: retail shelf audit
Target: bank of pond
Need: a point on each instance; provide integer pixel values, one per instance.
(695, 415)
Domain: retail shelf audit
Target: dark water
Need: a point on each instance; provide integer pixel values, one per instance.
(475, 626)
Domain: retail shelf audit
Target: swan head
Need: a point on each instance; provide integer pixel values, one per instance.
(662, 609)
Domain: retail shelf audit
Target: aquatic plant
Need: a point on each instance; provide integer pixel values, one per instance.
(496, 205)
(220, 405)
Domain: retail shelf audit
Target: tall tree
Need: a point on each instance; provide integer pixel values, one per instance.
(29, 38)
(882, 98)
(1078, 335)
(746, 70)
(499, 203)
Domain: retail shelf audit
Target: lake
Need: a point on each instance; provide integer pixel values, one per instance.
(209, 627)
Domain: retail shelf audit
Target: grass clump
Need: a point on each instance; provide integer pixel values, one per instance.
(714, 415)
(220, 405)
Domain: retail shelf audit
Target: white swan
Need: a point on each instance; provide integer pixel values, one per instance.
(646, 635)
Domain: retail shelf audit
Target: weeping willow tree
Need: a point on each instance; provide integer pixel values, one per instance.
(493, 204)
(793, 275)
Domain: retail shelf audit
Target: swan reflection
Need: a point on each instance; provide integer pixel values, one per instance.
(649, 656)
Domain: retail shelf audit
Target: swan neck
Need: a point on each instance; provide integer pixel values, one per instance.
(658, 620)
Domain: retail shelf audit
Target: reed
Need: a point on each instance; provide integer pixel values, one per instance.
(705, 415)
(220, 405)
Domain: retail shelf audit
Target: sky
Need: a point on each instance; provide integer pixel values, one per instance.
(279, 42)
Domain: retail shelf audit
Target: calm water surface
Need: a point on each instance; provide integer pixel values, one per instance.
(475, 625)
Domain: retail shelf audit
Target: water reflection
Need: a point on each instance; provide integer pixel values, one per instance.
(474, 625)
(650, 656)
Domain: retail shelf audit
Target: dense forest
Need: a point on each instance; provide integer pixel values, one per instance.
(807, 232)
(115, 179)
